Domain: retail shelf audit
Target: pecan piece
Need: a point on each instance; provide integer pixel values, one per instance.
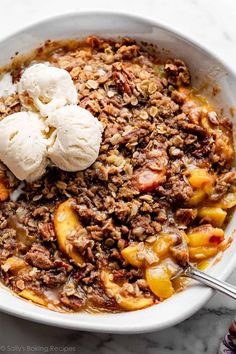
(123, 79)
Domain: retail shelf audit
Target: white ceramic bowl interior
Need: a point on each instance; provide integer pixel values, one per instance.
(202, 65)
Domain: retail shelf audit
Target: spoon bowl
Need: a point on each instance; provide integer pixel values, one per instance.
(192, 272)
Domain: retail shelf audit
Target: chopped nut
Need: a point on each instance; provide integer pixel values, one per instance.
(138, 231)
(115, 139)
(176, 152)
(20, 284)
(92, 84)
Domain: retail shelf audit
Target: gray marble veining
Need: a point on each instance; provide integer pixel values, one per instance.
(199, 334)
(212, 22)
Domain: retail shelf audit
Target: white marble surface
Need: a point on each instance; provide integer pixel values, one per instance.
(211, 22)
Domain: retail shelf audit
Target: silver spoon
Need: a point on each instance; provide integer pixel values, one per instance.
(191, 272)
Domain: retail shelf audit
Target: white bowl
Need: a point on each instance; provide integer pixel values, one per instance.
(202, 64)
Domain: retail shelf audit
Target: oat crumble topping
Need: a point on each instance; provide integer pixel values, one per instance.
(160, 191)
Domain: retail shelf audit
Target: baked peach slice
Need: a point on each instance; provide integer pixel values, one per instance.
(148, 180)
(205, 235)
(130, 254)
(213, 215)
(32, 296)
(202, 182)
(148, 177)
(133, 254)
(201, 179)
(197, 197)
(129, 303)
(14, 264)
(199, 253)
(4, 191)
(66, 222)
(159, 282)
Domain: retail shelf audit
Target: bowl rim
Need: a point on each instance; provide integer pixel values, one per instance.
(161, 24)
(206, 292)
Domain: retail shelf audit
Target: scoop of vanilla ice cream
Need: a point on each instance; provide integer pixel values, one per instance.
(48, 87)
(22, 145)
(76, 140)
(39, 171)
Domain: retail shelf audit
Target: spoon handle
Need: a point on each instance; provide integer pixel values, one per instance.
(212, 282)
